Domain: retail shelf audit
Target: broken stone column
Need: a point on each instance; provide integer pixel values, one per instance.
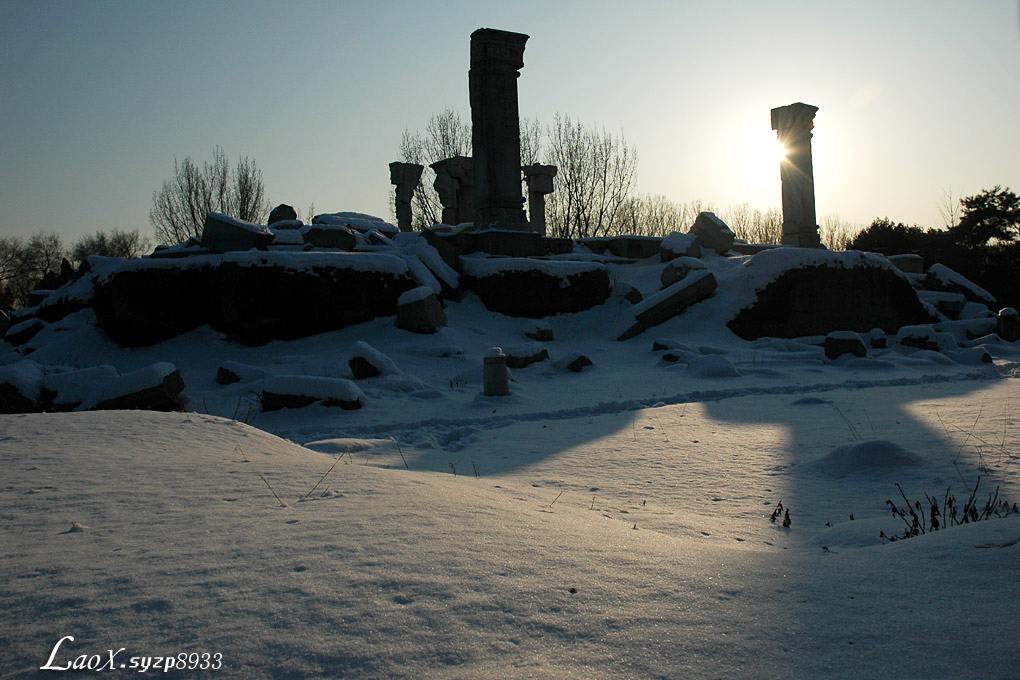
(406, 177)
(540, 182)
(496, 57)
(455, 185)
(793, 126)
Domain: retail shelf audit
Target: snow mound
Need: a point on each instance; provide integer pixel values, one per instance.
(862, 533)
(712, 366)
(867, 457)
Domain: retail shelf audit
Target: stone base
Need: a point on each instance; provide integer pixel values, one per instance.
(506, 242)
(632, 247)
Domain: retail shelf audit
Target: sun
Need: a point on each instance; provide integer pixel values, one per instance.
(779, 151)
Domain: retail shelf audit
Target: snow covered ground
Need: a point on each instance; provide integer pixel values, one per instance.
(607, 523)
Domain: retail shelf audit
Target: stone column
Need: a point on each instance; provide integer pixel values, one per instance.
(455, 185)
(540, 182)
(793, 126)
(406, 177)
(446, 186)
(496, 56)
(462, 169)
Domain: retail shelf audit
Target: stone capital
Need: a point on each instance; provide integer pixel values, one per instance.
(405, 173)
(496, 49)
(794, 116)
(539, 177)
(460, 168)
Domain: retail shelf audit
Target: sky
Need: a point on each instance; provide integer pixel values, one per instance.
(917, 100)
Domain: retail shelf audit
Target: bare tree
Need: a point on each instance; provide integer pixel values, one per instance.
(596, 176)
(656, 215)
(531, 141)
(446, 135)
(754, 226)
(181, 204)
(837, 234)
(24, 264)
(950, 208)
(116, 243)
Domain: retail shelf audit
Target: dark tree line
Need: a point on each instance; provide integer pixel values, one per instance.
(983, 244)
(28, 264)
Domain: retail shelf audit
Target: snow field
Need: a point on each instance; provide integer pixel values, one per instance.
(385, 571)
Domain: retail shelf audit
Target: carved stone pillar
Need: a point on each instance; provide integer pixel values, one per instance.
(540, 182)
(496, 57)
(406, 177)
(793, 126)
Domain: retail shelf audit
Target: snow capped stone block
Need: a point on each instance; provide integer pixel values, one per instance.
(799, 292)
(357, 222)
(158, 387)
(436, 263)
(839, 343)
(66, 390)
(23, 331)
(368, 362)
(921, 337)
(876, 338)
(332, 236)
(949, 305)
(671, 301)
(679, 245)
(678, 269)
(712, 232)
(531, 288)
(976, 310)
(287, 237)
(575, 362)
(421, 274)
(1008, 325)
(540, 332)
(5, 323)
(222, 233)
(524, 355)
(909, 263)
(626, 291)
(21, 387)
(298, 391)
(941, 277)
(973, 356)
(419, 311)
(230, 372)
(255, 296)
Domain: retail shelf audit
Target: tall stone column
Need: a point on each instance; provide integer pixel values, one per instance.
(406, 177)
(793, 126)
(540, 182)
(496, 57)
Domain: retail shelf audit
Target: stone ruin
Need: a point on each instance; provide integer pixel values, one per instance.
(793, 125)
(288, 280)
(496, 57)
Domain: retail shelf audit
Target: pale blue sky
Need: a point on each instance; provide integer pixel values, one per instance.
(98, 98)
